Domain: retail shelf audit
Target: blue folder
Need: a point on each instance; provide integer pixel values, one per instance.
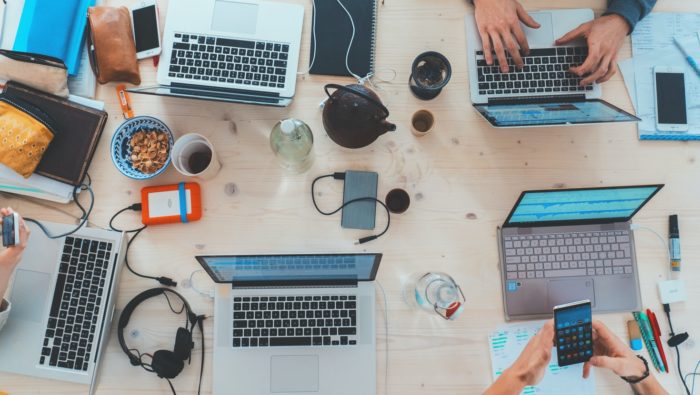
(54, 28)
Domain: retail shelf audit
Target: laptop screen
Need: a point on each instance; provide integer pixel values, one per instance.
(574, 206)
(291, 268)
(552, 113)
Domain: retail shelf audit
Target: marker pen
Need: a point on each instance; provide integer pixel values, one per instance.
(674, 243)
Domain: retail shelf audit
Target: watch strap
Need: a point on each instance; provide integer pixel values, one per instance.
(637, 379)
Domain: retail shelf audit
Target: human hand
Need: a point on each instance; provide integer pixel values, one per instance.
(604, 37)
(532, 362)
(611, 353)
(499, 27)
(10, 257)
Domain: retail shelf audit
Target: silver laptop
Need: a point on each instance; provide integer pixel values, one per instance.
(294, 324)
(63, 295)
(564, 245)
(243, 51)
(543, 93)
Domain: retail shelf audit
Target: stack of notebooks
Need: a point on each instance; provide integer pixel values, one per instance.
(54, 28)
(79, 124)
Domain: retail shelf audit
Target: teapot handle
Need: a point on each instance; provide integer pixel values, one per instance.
(362, 95)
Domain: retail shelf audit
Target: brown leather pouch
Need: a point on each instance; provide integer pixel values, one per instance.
(111, 45)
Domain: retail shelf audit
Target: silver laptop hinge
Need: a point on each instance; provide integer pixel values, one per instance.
(297, 286)
(537, 99)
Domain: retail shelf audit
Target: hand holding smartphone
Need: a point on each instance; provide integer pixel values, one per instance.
(146, 29)
(10, 230)
(671, 108)
(573, 332)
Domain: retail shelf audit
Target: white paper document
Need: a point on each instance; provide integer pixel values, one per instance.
(507, 342)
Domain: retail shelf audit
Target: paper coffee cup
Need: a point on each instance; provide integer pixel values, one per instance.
(193, 155)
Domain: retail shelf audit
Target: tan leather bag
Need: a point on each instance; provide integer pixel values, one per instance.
(111, 45)
(42, 72)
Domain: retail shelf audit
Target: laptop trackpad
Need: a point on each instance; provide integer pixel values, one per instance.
(544, 36)
(291, 373)
(568, 291)
(29, 295)
(235, 17)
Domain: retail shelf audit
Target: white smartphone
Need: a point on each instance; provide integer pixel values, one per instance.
(671, 107)
(146, 28)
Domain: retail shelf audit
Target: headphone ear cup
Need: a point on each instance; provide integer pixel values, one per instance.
(183, 344)
(166, 364)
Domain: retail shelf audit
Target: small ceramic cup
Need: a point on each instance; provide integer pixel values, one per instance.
(193, 155)
(422, 123)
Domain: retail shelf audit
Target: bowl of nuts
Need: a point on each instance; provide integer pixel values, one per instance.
(141, 147)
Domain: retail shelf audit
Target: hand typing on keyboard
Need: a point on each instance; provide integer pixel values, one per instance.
(500, 30)
(604, 37)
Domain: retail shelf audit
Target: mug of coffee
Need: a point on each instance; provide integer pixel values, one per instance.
(193, 155)
(422, 122)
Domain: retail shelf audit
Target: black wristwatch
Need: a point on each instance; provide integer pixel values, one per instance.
(635, 380)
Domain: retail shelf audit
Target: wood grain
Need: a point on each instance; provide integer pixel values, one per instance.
(463, 180)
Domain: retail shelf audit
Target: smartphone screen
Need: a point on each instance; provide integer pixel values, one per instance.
(670, 98)
(145, 28)
(574, 339)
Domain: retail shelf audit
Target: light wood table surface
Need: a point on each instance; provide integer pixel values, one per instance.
(463, 180)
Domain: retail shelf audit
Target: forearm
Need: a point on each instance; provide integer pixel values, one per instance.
(649, 386)
(507, 384)
(631, 10)
(5, 275)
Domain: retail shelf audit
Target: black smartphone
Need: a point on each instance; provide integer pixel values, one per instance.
(10, 230)
(574, 332)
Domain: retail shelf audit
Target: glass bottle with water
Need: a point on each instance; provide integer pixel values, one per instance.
(292, 141)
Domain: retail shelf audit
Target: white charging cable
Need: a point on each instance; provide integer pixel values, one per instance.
(663, 243)
(386, 339)
(209, 294)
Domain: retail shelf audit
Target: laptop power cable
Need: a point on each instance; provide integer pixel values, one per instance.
(341, 176)
(85, 212)
(167, 281)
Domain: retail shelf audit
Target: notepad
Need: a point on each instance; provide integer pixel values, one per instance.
(333, 33)
(508, 342)
(54, 28)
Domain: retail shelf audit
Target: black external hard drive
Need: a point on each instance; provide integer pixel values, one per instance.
(360, 215)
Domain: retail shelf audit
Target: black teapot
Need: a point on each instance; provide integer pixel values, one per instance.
(354, 116)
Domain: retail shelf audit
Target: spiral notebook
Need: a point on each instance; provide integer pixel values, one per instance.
(333, 35)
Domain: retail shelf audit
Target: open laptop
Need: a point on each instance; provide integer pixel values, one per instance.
(63, 295)
(543, 93)
(243, 51)
(564, 245)
(294, 324)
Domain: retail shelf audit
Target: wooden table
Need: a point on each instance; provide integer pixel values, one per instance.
(463, 179)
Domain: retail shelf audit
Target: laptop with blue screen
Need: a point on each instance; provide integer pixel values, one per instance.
(294, 324)
(564, 245)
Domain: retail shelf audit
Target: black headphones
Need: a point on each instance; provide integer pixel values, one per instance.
(165, 363)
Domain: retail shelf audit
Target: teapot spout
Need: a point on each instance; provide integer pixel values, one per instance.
(388, 127)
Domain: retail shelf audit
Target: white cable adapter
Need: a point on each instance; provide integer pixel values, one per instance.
(672, 291)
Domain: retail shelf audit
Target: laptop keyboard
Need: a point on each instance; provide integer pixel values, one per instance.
(568, 255)
(217, 59)
(295, 321)
(545, 70)
(69, 340)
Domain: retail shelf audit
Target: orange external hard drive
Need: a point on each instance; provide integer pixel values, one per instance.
(169, 204)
